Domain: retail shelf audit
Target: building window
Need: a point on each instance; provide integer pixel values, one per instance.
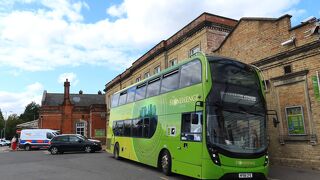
(138, 79)
(146, 75)
(157, 70)
(80, 128)
(194, 50)
(173, 62)
(295, 120)
(287, 69)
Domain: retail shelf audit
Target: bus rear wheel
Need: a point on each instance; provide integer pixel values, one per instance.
(116, 151)
(165, 163)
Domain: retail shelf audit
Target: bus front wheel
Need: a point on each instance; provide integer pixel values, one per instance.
(165, 162)
(116, 151)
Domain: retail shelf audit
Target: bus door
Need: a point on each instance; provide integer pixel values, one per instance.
(190, 145)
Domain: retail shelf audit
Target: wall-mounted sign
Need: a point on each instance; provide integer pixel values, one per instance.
(315, 83)
(295, 120)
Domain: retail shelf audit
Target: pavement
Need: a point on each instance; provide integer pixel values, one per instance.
(40, 164)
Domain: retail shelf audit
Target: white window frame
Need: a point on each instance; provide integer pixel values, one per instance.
(157, 69)
(173, 62)
(138, 79)
(147, 74)
(194, 50)
(304, 125)
(82, 125)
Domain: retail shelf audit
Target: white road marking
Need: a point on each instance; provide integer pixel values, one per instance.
(164, 178)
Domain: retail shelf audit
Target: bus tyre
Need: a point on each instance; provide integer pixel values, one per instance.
(116, 151)
(165, 163)
(27, 147)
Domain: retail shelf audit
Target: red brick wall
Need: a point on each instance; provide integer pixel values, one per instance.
(64, 118)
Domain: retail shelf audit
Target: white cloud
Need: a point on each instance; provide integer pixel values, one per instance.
(17, 101)
(72, 78)
(55, 35)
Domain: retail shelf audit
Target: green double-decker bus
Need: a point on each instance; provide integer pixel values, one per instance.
(204, 118)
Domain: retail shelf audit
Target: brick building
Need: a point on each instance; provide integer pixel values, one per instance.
(289, 58)
(74, 113)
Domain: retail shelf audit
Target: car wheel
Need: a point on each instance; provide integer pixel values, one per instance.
(87, 149)
(165, 163)
(27, 147)
(54, 150)
(116, 151)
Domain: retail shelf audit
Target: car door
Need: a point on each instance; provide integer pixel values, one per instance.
(62, 143)
(75, 143)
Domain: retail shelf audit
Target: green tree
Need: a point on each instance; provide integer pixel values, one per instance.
(1, 124)
(12, 122)
(31, 112)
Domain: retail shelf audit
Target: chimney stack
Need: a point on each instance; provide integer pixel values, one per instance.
(67, 92)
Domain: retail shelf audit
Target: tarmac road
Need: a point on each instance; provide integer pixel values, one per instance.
(40, 165)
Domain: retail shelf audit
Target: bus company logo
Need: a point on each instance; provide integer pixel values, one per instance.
(182, 100)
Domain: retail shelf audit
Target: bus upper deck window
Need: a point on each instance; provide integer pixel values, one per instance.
(190, 74)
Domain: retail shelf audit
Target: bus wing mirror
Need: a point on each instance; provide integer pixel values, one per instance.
(198, 104)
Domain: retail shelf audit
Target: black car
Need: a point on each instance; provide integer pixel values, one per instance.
(73, 142)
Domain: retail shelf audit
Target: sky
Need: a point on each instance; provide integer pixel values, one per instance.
(43, 42)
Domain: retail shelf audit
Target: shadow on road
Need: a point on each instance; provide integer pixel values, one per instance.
(175, 176)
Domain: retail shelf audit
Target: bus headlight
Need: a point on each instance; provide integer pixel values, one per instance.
(266, 160)
(215, 156)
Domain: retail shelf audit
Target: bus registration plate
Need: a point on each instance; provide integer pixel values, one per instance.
(245, 175)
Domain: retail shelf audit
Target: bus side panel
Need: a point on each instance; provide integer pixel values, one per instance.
(146, 150)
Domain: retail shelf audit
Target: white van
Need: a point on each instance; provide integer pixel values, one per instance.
(36, 138)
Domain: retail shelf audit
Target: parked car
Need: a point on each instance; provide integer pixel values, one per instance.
(4, 142)
(72, 143)
(36, 138)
